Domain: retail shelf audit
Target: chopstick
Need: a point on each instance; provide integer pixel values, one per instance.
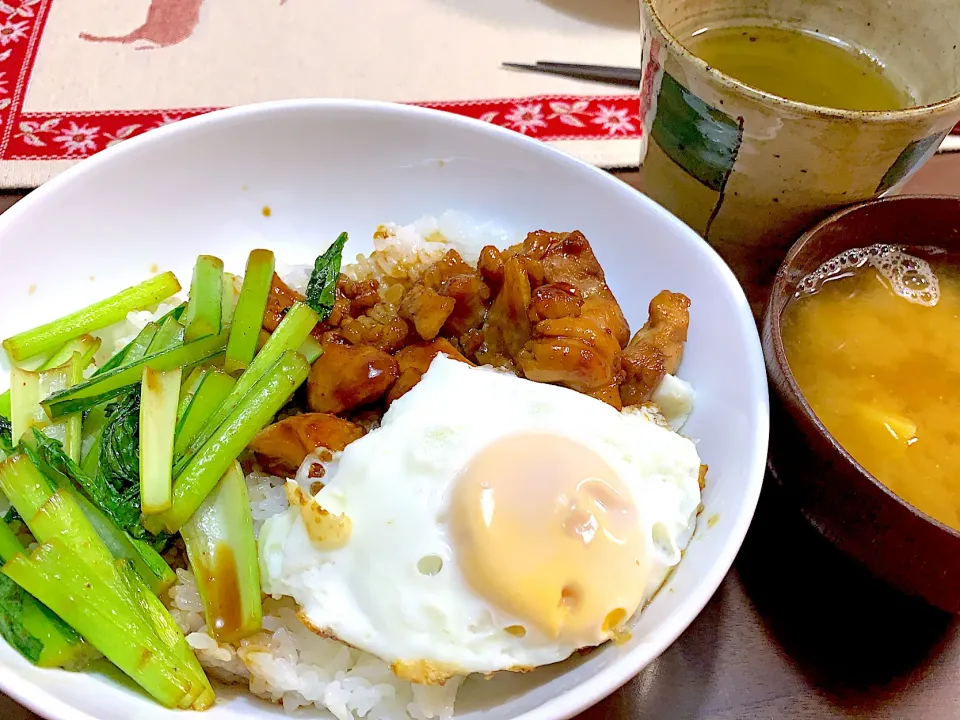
(597, 73)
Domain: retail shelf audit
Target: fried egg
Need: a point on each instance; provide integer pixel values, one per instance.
(490, 523)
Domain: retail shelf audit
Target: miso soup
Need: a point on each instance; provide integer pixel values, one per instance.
(873, 340)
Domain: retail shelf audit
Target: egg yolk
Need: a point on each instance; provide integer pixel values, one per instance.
(545, 530)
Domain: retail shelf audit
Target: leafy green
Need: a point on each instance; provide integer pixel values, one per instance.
(322, 288)
(100, 512)
(12, 598)
(34, 630)
(6, 448)
(6, 436)
(120, 452)
(118, 497)
(48, 455)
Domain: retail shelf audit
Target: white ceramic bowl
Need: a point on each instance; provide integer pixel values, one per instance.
(200, 186)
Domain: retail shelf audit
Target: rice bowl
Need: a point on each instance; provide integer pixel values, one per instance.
(685, 263)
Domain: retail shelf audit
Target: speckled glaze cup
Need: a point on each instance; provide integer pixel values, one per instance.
(751, 171)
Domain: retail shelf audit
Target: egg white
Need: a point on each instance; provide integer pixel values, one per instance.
(394, 486)
(675, 398)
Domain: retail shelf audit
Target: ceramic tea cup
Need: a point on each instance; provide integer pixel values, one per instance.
(749, 170)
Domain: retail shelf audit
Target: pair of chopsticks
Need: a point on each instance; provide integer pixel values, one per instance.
(597, 73)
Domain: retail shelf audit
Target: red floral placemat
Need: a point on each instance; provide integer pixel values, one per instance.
(77, 76)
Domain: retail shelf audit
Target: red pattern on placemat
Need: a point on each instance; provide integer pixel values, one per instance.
(22, 26)
(75, 135)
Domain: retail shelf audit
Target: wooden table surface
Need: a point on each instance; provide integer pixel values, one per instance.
(795, 630)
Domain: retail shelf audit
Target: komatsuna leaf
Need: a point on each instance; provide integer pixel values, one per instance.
(322, 288)
(121, 504)
(120, 447)
(11, 625)
(6, 448)
(47, 454)
(6, 436)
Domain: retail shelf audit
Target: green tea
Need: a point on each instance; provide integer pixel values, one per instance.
(800, 65)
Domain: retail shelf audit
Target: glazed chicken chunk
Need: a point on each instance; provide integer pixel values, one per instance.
(414, 361)
(427, 310)
(555, 319)
(568, 258)
(282, 447)
(657, 348)
(345, 377)
(541, 308)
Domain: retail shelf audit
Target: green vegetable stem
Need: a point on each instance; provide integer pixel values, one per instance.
(74, 574)
(205, 310)
(289, 335)
(32, 629)
(104, 387)
(248, 317)
(49, 337)
(159, 393)
(112, 510)
(213, 390)
(223, 554)
(138, 347)
(213, 459)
